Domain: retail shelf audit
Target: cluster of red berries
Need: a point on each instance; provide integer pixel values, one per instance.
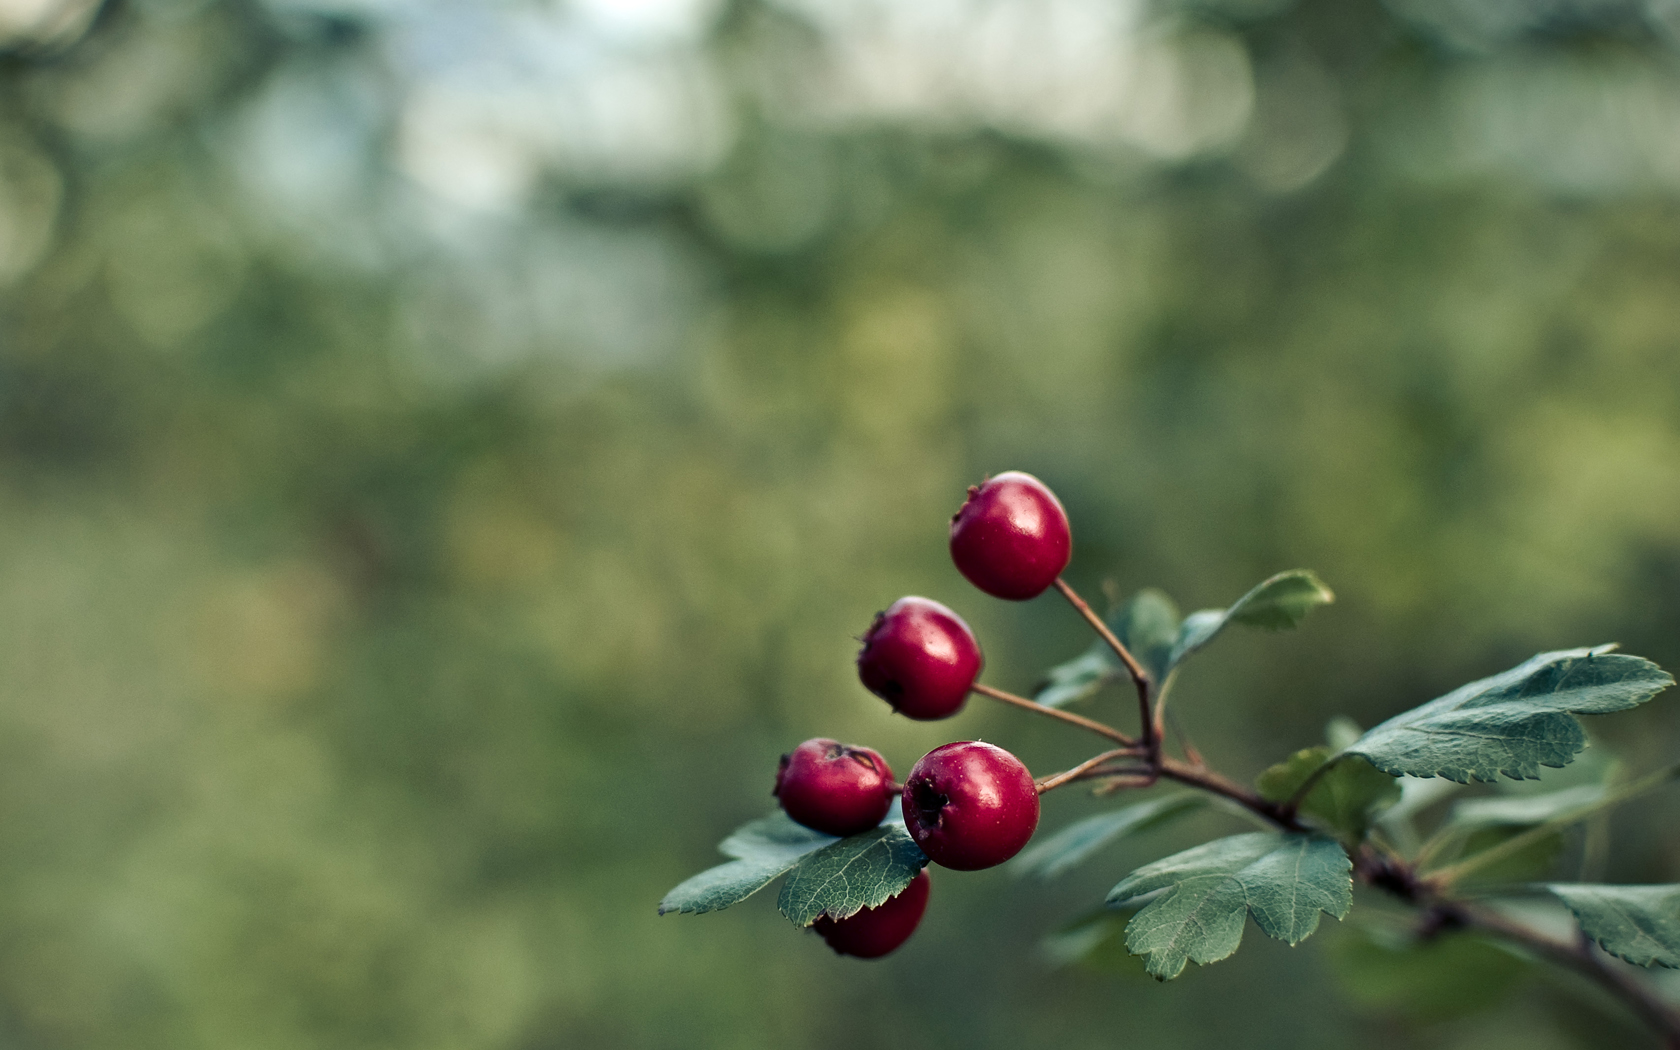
(968, 805)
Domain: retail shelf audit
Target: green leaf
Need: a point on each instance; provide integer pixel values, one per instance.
(1512, 723)
(1280, 602)
(1079, 677)
(1095, 941)
(1147, 625)
(1281, 781)
(1204, 894)
(763, 849)
(1638, 923)
(1525, 809)
(1346, 797)
(846, 876)
(1078, 841)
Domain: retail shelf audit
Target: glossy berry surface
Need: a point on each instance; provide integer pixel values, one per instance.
(970, 805)
(1011, 538)
(873, 932)
(834, 788)
(920, 657)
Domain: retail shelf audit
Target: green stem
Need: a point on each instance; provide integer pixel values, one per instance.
(1445, 877)
(1069, 717)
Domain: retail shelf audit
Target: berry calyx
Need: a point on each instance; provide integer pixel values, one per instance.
(921, 658)
(873, 932)
(1011, 538)
(835, 788)
(970, 805)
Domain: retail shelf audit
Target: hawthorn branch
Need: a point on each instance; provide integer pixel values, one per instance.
(1083, 769)
(1388, 872)
(1208, 780)
(1578, 955)
(1140, 677)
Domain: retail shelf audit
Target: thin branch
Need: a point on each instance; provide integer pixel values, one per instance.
(1140, 677)
(1191, 755)
(1077, 772)
(1448, 875)
(1066, 716)
(1584, 959)
(1208, 780)
(1120, 780)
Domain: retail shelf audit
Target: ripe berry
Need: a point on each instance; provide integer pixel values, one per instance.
(1011, 537)
(873, 932)
(919, 657)
(834, 788)
(970, 805)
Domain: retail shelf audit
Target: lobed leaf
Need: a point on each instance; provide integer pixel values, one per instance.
(1512, 723)
(1202, 895)
(1280, 602)
(763, 849)
(846, 876)
(1078, 841)
(1640, 924)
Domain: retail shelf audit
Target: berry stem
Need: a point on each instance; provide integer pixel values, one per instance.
(1066, 716)
(1208, 780)
(1078, 772)
(1140, 677)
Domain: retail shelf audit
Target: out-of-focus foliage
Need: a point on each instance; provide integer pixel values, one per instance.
(447, 447)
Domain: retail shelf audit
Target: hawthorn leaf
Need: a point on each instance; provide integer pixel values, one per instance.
(1280, 602)
(1198, 899)
(1079, 840)
(1640, 924)
(1279, 782)
(1525, 809)
(1512, 723)
(1147, 625)
(1347, 796)
(762, 850)
(1080, 677)
(848, 875)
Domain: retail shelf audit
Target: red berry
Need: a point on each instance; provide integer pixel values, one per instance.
(921, 658)
(873, 932)
(834, 788)
(1011, 537)
(970, 805)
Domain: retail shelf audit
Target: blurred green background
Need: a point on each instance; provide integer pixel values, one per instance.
(447, 449)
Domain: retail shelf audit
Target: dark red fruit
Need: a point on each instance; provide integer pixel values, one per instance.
(921, 658)
(834, 788)
(970, 805)
(1011, 537)
(873, 932)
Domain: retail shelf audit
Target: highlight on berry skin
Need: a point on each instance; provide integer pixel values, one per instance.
(874, 932)
(838, 789)
(921, 658)
(1011, 537)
